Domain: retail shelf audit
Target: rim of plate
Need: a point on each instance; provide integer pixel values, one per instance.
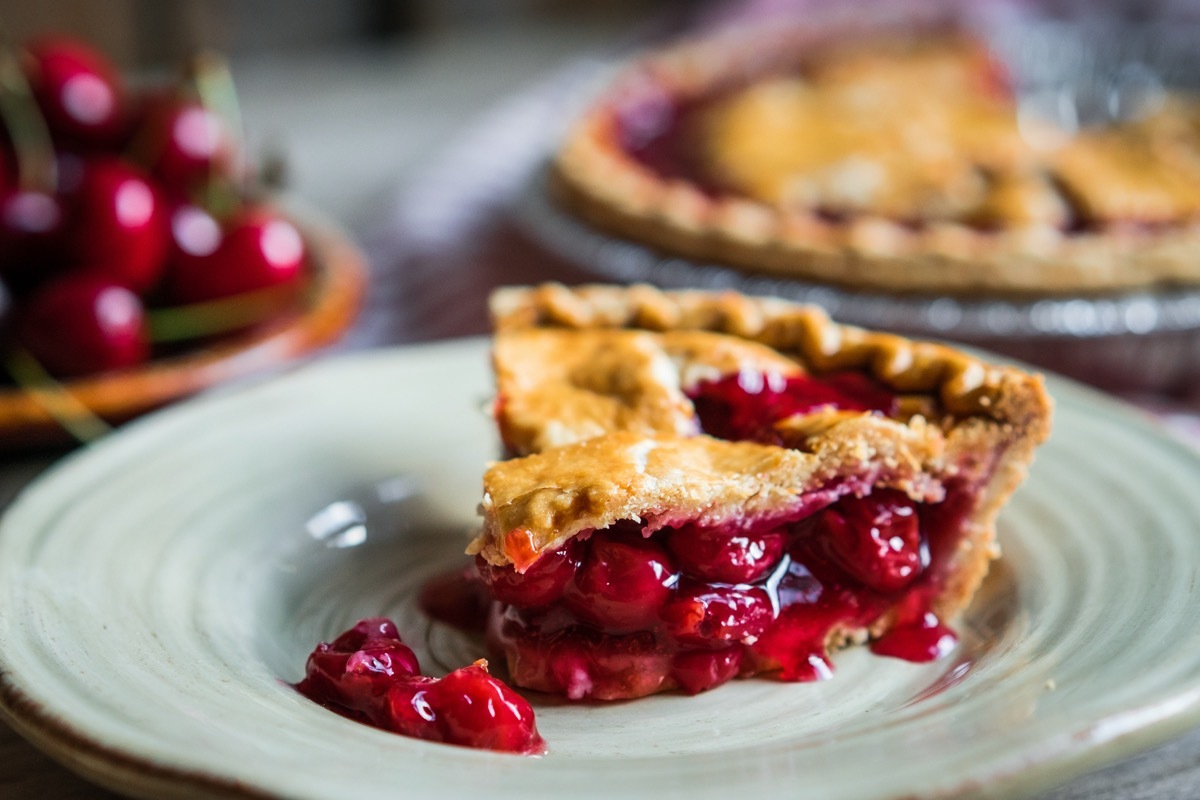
(1065, 753)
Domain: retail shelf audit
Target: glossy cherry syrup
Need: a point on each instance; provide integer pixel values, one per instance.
(370, 675)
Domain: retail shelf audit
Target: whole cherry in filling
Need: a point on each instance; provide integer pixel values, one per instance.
(623, 582)
(369, 674)
(747, 405)
(876, 539)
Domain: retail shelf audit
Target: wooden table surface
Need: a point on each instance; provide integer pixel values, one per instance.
(437, 248)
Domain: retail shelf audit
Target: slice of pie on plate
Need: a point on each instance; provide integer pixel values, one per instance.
(713, 485)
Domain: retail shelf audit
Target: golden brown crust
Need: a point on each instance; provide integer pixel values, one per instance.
(596, 178)
(535, 503)
(562, 386)
(962, 384)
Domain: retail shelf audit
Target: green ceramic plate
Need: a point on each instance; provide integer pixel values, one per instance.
(159, 590)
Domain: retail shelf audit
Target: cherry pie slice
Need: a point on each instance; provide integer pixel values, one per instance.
(882, 159)
(719, 485)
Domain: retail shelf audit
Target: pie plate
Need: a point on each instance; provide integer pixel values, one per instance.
(159, 590)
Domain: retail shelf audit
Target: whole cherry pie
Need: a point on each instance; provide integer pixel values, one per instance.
(896, 161)
(710, 485)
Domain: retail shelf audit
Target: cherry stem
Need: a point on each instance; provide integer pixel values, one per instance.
(75, 417)
(36, 167)
(211, 76)
(180, 323)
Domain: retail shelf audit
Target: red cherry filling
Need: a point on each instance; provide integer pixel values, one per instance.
(876, 539)
(725, 556)
(746, 406)
(699, 670)
(703, 613)
(623, 582)
(540, 585)
(368, 674)
(627, 624)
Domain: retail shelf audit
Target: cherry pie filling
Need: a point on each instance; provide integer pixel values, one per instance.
(634, 608)
(368, 674)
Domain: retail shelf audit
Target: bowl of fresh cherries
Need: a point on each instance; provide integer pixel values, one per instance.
(141, 259)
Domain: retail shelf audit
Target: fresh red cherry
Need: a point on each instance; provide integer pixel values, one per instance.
(725, 556)
(78, 90)
(474, 709)
(700, 670)
(258, 250)
(700, 614)
(190, 144)
(120, 229)
(31, 233)
(624, 580)
(875, 539)
(81, 324)
(540, 585)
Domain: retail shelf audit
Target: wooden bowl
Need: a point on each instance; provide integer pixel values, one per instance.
(326, 311)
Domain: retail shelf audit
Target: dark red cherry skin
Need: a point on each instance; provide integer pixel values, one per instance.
(876, 539)
(476, 710)
(540, 585)
(190, 144)
(366, 630)
(80, 324)
(747, 405)
(31, 236)
(258, 250)
(120, 225)
(725, 556)
(368, 674)
(356, 669)
(79, 92)
(623, 582)
(407, 711)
